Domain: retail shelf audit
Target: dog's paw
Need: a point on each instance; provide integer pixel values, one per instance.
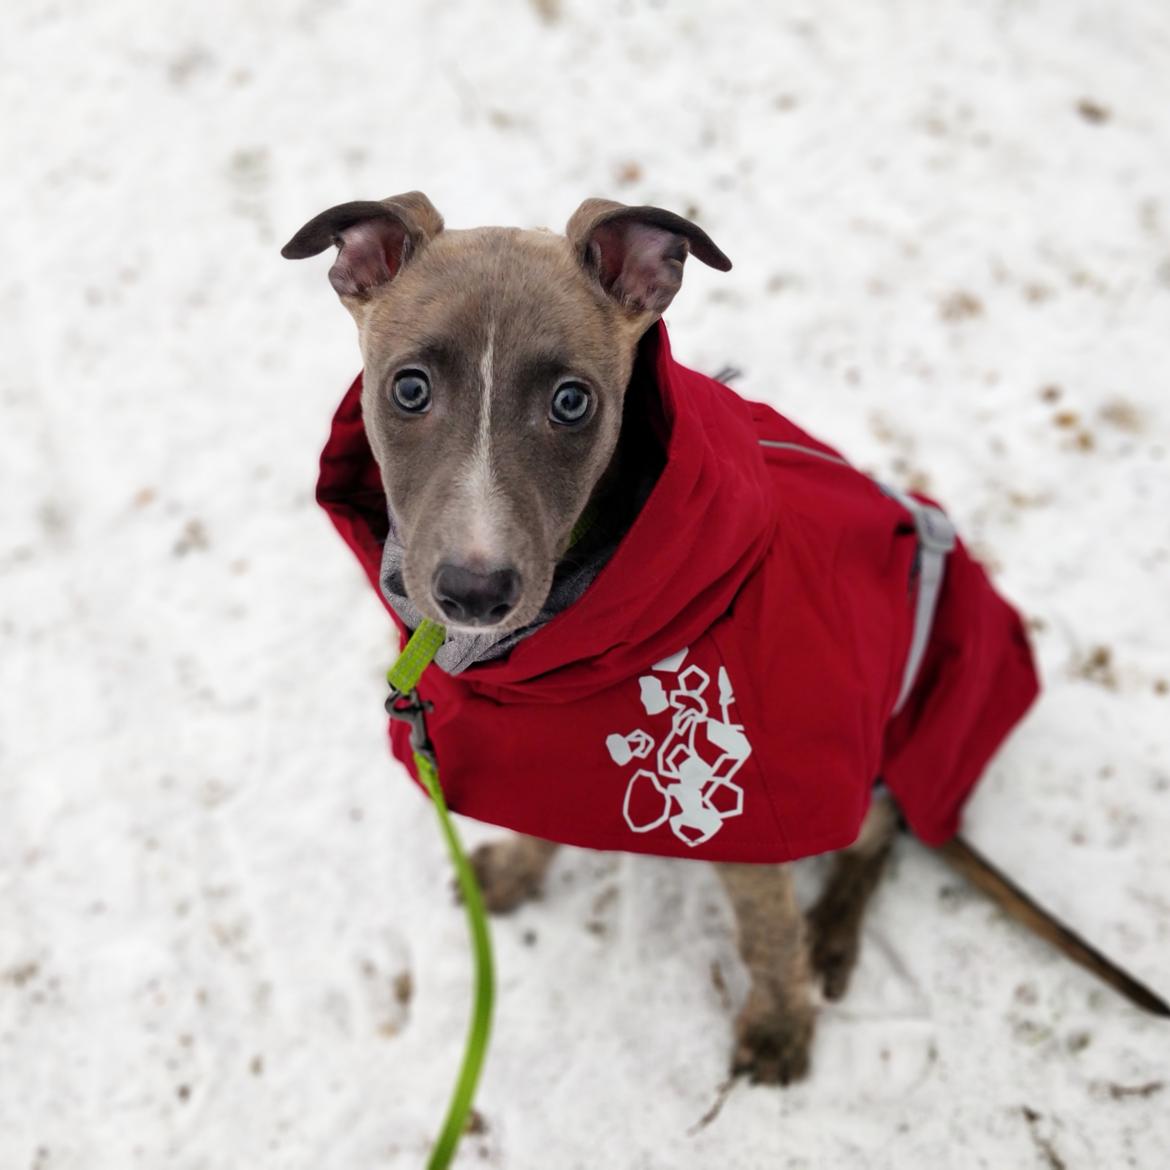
(508, 875)
(772, 1044)
(834, 945)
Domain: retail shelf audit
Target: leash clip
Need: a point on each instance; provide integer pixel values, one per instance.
(412, 709)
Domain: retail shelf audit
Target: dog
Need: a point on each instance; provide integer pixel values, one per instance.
(508, 403)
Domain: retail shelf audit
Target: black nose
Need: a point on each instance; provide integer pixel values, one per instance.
(473, 598)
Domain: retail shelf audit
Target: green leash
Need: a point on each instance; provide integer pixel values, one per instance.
(404, 703)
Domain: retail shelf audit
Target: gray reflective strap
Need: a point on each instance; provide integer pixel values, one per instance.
(803, 450)
(936, 538)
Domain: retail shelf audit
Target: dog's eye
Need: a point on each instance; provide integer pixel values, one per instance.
(570, 404)
(412, 391)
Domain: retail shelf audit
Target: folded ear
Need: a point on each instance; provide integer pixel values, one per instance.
(637, 253)
(374, 239)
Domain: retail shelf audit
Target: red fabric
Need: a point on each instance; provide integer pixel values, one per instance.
(789, 579)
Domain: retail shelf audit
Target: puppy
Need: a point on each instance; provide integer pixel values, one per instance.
(612, 540)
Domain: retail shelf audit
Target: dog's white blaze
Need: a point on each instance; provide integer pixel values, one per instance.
(477, 479)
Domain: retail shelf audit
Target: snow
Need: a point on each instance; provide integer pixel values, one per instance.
(226, 937)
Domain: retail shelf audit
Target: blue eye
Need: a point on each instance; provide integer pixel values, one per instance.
(570, 404)
(412, 391)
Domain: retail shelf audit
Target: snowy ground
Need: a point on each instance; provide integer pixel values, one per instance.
(225, 937)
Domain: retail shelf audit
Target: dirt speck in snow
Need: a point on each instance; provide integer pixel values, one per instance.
(1093, 112)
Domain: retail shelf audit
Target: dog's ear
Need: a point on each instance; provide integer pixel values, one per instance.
(374, 239)
(637, 253)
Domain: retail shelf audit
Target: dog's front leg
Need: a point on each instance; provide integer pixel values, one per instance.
(774, 1030)
(511, 872)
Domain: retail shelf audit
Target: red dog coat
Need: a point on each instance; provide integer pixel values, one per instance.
(774, 632)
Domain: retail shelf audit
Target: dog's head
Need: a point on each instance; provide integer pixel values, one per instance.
(496, 363)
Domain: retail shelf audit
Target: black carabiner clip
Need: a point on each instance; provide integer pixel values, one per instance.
(412, 709)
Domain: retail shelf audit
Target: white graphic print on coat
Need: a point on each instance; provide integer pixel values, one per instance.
(700, 753)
